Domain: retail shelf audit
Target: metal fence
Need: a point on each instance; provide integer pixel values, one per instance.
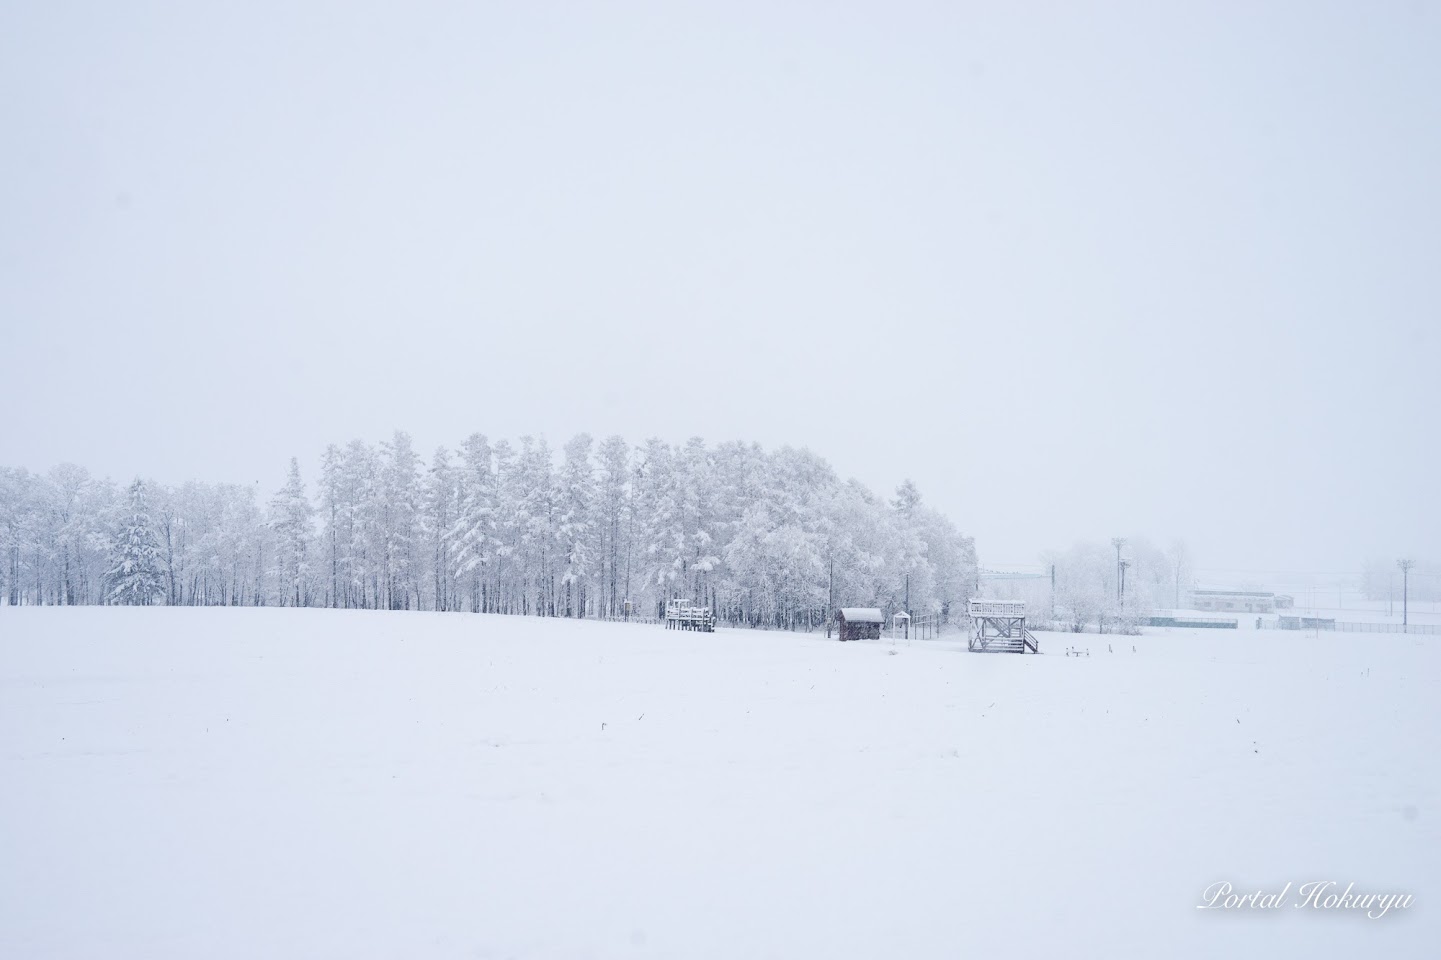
(926, 627)
(622, 618)
(1418, 629)
(1121, 628)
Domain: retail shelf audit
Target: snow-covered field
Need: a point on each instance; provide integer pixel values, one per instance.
(182, 783)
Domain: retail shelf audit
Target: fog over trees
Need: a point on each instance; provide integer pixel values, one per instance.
(1381, 579)
(768, 538)
(1088, 588)
(1081, 587)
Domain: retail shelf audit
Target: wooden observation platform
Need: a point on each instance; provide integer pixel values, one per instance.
(999, 626)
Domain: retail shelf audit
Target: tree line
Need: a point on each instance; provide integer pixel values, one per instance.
(769, 538)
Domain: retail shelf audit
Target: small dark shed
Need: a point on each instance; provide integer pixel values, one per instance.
(859, 623)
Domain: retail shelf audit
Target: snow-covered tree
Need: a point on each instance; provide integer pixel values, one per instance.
(436, 524)
(1181, 574)
(613, 521)
(332, 486)
(135, 577)
(399, 520)
(576, 526)
(661, 549)
(291, 522)
(1085, 584)
(472, 539)
(364, 541)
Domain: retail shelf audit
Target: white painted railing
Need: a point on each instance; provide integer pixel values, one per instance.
(998, 608)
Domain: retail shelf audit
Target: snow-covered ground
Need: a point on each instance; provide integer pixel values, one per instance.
(181, 783)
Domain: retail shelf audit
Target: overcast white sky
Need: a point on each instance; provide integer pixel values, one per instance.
(1077, 269)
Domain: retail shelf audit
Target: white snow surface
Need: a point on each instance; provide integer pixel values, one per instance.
(181, 783)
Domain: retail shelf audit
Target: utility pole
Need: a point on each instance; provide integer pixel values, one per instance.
(1118, 543)
(1053, 591)
(831, 613)
(908, 606)
(1405, 564)
(1124, 565)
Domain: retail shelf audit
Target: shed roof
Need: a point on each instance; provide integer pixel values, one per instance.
(861, 615)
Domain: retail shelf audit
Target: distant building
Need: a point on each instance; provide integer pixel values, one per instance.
(1244, 601)
(1285, 601)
